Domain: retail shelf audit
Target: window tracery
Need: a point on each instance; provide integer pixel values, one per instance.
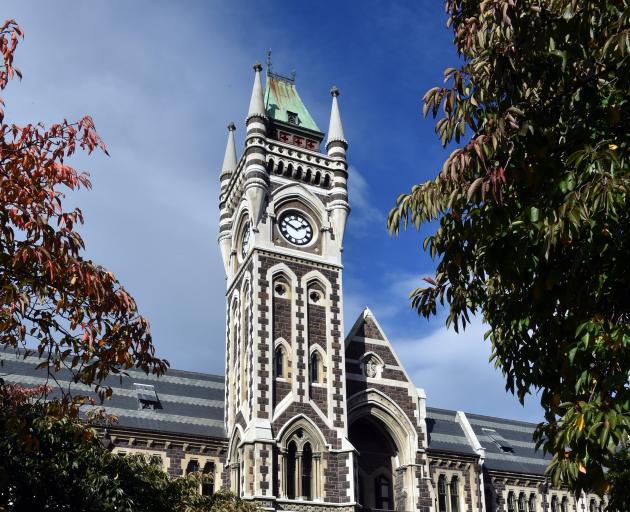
(300, 463)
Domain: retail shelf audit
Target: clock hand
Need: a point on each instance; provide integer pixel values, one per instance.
(294, 232)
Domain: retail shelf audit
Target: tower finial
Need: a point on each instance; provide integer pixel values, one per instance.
(269, 68)
(256, 103)
(335, 128)
(229, 160)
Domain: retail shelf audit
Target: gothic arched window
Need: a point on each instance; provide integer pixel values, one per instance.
(316, 368)
(442, 493)
(235, 465)
(307, 471)
(233, 341)
(522, 502)
(454, 488)
(291, 459)
(564, 505)
(280, 362)
(300, 454)
(245, 312)
(511, 502)
(532, 503)
(207, 479)
(192, 466)
(554, 504)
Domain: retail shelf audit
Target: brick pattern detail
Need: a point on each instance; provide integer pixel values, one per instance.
(316, 326)
(336, 474)
(319, 395)
(280, 390)
(369, 329)
(282, 318)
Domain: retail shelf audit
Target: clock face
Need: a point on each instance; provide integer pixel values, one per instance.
(295, 228)
(245, 242)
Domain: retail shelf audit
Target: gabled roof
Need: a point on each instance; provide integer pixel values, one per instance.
(445, 434)
(184, 402)
(282, 97)
(509, 444)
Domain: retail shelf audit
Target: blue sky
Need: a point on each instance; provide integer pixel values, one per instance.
(162, 80)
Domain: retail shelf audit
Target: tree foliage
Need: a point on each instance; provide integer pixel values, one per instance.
(51, 460)
(619, 476)
(533, 213)
(74, 311)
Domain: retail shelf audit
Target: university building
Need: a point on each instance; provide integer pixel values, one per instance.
(305, 419)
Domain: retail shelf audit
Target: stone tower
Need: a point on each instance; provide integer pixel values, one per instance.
(284, 206)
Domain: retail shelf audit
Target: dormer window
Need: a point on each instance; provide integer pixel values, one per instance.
(292, 117)
(499, 441)
(147, 397)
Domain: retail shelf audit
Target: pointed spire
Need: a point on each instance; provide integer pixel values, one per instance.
(229, 160)
(257, 104)
(335, 129)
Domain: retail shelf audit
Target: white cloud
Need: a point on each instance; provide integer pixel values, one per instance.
(152, 214)
(455, 371)
(364, 214)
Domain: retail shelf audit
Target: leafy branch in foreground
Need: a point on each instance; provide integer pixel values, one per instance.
(51, 460)
(75, 312)
(533, 213)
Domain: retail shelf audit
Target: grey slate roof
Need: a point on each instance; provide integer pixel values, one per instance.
(518, 455)
(192, 403)
(523, 457)
(445, 433)
(189, 402)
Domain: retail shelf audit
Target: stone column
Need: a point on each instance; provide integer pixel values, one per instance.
(235, 477)
(298, 474)
(317, 476)
(282, 472)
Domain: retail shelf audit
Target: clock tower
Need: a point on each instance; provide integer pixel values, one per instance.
(283, 210)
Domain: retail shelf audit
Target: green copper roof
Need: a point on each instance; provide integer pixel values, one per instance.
(281, 97)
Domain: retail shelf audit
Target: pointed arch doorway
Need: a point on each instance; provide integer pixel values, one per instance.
(386, 442)
(377, 459)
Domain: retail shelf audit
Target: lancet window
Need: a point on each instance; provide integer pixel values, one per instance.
(442, 494)
(244, 367)
(454, 488)
(300, 463)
